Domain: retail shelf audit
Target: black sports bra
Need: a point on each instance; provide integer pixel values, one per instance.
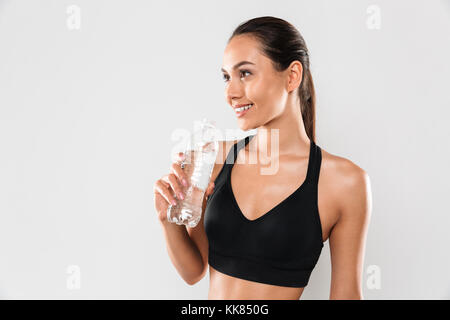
(281, 247)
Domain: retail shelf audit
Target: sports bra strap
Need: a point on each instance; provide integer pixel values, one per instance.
(315, 165)
(312, 175)
(232, 154)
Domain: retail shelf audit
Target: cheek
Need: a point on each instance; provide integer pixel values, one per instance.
(267, 96)
(260, 93)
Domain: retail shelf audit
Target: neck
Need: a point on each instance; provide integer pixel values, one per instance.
(284, 134)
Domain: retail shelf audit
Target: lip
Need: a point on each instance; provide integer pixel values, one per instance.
(242, 113)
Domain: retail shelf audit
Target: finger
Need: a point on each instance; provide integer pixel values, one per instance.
(163, 189)
(179, 173)
(180, 157)
(185, 157)
(175, 185)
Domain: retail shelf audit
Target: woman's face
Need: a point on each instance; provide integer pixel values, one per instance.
(257, 83)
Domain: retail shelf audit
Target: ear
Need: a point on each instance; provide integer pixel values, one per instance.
(295, 71)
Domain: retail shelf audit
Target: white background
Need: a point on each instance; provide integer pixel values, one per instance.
(87, 115)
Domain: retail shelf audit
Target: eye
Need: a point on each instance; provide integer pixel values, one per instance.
(226, 78)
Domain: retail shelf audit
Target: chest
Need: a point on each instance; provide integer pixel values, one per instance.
(258, 189)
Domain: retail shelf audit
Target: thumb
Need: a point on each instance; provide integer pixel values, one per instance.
(210, 188)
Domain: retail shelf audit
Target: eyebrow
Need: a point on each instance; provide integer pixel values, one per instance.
(237, 65)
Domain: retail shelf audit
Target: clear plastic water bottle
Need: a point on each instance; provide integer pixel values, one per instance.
(200, 157)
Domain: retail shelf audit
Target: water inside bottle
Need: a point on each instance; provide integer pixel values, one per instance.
(198, 167)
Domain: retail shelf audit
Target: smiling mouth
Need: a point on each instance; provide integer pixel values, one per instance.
(243, 110)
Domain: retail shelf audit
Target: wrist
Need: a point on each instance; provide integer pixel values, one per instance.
(167, 224)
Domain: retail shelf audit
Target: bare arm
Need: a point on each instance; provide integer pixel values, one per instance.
(198, 234)
(183, 252)
(187, 247)
(348, 236)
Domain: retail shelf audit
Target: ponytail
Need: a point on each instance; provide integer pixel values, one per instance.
(308, 105)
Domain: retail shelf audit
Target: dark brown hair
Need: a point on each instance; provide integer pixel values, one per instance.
(282, 43)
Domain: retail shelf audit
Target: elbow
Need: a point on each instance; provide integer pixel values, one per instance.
(194, 279)
(190, 282)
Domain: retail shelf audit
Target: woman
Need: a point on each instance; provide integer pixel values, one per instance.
(262, 232)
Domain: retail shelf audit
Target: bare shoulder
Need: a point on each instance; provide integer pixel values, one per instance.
(349, 183)
(350, 186)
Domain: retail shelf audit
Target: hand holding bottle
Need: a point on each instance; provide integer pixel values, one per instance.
(170, 189)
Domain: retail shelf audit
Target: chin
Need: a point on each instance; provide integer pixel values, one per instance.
(245, 125)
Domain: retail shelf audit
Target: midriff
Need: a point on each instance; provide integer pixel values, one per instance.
(225, 287)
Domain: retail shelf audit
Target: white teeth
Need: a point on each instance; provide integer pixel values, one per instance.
(244, 108)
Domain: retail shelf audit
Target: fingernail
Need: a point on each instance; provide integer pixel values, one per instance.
(181, 196)
(185, 182)
(174, 202)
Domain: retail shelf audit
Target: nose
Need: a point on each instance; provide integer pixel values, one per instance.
(233, 91)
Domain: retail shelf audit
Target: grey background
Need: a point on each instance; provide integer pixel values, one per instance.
(87, 116)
